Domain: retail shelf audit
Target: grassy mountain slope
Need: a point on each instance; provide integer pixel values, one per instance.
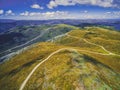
(79, 66)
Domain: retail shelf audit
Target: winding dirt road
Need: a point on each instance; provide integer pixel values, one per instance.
(110, 53)
(69, 49)
(55, 52)
(30, 74)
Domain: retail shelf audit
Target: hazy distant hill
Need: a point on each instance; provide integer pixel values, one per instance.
(7, 24)
(22, 36)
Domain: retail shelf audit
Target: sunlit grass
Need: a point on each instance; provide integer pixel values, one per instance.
(66, 70)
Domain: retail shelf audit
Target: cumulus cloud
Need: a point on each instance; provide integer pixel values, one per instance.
(56, 14)
(26, 13)
(68, 15)
(52, 4)
(1, 11)
(9, 12)
(111, 14)
(102, 3)
(108, 12)
(36, 6)
(114, 14)
(55, 3)
(46, 15)
(85, 11)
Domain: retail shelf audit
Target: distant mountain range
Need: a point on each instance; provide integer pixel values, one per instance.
(7, 24)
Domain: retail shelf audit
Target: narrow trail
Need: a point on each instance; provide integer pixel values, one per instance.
(98, 46)
(55, 52)
(30, 74)
(9, 50)
(110, 53)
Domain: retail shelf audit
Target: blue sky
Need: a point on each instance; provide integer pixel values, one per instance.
(59, 9)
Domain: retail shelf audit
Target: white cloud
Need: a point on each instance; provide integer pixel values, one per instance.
(1, 11)
(102, 3)
(111, 14)
(46, 15)
(85, 11)
(69, 15)
(36, 6)
(108, 12)
(34, 14)
(114, 13)
(52, 4)
(56, 14)
(117, 13)
(9, 12)
(26, 13)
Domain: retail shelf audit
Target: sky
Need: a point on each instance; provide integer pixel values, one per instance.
(59, 9)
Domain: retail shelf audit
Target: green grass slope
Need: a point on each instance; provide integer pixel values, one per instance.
(80, 65)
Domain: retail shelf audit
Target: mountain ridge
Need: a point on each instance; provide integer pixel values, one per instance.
(81, 65)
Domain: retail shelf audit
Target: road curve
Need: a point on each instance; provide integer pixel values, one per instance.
(55, 52)
(30, 74)
(98, 46)
(109, 53)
